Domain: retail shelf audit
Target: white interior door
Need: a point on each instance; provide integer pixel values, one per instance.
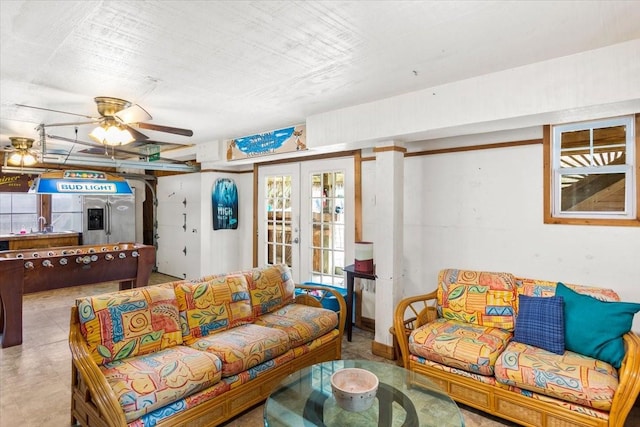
(306, 218)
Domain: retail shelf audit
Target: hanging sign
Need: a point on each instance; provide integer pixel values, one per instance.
(10, 182)
(152, 151)
(263, 144)
(80, 182)
(224, 200)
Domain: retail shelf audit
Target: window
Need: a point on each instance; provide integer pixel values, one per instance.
(591, 172)
(18, 212)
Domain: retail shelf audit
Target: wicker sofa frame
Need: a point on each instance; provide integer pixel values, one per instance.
(416, 311)
(93, 402)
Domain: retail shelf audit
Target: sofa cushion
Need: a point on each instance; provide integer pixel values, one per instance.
(569, 377)
(148, 382)
(485, 379)
(226, 384)
(270, 287)
(547, 288)
(302, 323)
(478, 297)
(595, 328)
(535, 287)
(540, 322)
(244, 346)
(467, 346)
(128, 323)
(216, 305)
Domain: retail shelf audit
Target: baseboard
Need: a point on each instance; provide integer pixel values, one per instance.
(383, 350)
(366, 324)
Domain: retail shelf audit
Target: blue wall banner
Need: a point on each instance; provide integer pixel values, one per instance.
(224, 200)
(263, 144)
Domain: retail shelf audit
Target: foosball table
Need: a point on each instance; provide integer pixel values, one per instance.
(35, 270)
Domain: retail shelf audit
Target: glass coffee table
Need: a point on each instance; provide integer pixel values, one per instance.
(404, 399)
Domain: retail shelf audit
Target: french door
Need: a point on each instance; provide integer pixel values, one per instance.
(306, 218)
(279, 215)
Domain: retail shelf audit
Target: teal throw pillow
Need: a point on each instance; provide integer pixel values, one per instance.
(595, 328)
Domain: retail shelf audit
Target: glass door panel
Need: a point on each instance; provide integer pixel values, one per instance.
(328, 244)
(328, 220)
(278, 201)
(279, 224)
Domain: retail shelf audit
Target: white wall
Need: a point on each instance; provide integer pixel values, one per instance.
(483, 210)
(140, 196)
(227, 250)
(599, 83)
(207, 251)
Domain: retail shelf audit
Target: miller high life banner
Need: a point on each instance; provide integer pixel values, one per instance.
(224, 200)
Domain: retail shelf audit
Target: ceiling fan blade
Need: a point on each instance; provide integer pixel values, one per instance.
(138, 136)
(133, 114)
(56, 111)
(167, 129)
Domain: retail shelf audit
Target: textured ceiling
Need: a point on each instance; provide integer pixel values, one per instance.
(227, 69)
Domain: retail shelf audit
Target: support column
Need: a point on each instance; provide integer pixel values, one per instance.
(388, 242)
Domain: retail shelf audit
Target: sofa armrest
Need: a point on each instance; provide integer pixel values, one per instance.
(411, 313)
(628, 382)
(316, 301)
(101, 394)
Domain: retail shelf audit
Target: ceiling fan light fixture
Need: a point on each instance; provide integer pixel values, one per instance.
(22, 156)
(111, 133)
(28, 159)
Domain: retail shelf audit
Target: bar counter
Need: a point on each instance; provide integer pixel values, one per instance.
(36, 240)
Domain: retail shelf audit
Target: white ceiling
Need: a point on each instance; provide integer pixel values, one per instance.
(228, 69)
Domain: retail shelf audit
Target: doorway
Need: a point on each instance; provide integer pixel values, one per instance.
(306, 218)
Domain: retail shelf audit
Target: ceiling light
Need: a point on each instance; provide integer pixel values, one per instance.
(111, 132)
(26, 159)
(23, 156)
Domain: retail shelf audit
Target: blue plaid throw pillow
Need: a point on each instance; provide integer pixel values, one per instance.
(540, 323)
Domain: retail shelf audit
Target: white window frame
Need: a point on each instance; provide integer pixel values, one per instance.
(628, 169)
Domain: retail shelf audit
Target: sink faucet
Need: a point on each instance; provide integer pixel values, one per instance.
(42, 221)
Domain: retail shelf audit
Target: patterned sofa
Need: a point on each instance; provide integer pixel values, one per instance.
(195, 352)
(535, 352)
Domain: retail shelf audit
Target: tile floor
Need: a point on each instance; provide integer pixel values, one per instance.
(35, 376)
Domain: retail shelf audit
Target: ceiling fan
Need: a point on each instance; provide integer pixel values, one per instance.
(117, 121)
(21, 152)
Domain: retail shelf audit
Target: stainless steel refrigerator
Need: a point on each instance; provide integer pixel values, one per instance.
(108, 219)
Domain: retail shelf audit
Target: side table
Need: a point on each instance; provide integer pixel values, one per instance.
(351, 275)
